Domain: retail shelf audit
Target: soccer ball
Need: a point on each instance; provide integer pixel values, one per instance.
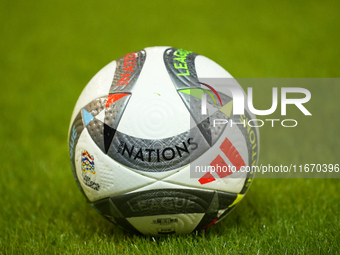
(138, 136)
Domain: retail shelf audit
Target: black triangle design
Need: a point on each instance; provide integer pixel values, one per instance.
(205, 129)
(109, 133)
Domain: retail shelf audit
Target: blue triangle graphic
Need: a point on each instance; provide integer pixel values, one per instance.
(87, 117)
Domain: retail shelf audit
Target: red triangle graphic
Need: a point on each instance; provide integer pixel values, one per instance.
(208, 177)
(114, 97)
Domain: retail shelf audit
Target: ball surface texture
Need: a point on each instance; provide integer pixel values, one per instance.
(146, 150)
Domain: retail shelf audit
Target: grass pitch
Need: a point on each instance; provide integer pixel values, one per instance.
(50, 50)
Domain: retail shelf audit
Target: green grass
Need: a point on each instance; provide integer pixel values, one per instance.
(50, 50)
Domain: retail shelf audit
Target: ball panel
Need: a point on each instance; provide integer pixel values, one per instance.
(97, 87)
(157, 155)
(109, 211)
(154, 104)
(180, 65)
(166, 211)
(127, 72)
(205, 123)
(163, 201)
(109, 178)
(199, 166)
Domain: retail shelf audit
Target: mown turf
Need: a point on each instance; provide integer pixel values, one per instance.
(49, 51)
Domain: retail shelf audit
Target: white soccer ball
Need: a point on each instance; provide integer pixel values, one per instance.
(145, 156)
